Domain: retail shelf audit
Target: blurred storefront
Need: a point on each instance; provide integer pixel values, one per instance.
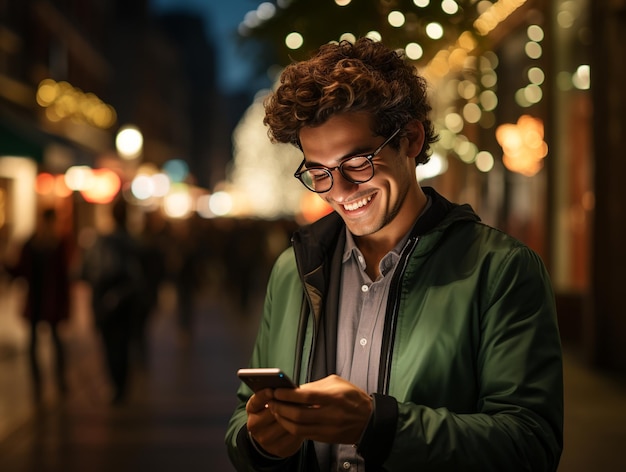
(62, 65)
(537, 147)
(48, 120)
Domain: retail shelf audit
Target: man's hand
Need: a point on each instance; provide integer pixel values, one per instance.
(330, 410)
(266, 431)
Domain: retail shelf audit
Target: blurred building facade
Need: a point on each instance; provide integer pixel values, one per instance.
(72, 74)
(569, 210)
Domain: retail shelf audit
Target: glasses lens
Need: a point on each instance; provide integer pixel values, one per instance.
(357, 170)
(318, 180)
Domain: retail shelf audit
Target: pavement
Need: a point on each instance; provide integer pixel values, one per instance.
(182, 396)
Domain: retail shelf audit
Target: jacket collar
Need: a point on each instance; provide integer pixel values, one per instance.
(316, 242)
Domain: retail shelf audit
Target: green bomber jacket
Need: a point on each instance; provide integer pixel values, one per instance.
(471, 373)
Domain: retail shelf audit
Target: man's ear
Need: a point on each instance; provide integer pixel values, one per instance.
(416, 136)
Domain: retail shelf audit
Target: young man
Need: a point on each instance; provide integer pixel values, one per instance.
(422, 339)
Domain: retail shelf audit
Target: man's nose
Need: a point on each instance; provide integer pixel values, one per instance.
(340, 183)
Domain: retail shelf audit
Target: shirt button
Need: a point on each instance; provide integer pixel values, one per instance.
(364, 288)
(346, 465)
(363, 341)
(361, 260)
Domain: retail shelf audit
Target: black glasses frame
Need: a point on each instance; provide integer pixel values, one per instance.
(329, 170)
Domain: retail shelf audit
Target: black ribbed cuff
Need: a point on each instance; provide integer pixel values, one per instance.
(377, 440)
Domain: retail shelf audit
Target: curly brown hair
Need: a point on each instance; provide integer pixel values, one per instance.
(344, 77)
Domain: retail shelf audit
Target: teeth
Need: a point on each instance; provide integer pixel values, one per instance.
(357, 205)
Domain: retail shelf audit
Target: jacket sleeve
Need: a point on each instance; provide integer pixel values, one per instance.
(517, 422)
(244, 455)
(273, 348)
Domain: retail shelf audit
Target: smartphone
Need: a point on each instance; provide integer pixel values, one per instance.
(258, 379)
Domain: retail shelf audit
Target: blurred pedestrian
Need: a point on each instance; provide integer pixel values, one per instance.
(43, 263)
(113, 268)
(152, 244)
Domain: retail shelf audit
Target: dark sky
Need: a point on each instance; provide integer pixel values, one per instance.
(221, 18)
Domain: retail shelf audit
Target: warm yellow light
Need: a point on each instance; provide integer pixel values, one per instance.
(496, 14)
(221, 203)
(582, 77)
(413, 51)
(62, 100)
(44, 183)
(467, 89)
(472, 113)
(161, 183)
(488, 100)
(129, 142)
(437, 165)
(178, 203)
(294, 40)
(523, 145)
(312, 207)
(104, 186)
(484, 161)
(78, 177)
(533, 93)
(449, 6)
(536, 75)
(466, 41)
(454, 122)
(351, 38)
(374, 35)
(533, 50)
(465, 149)
(434, 30)
(535, 33)
(47, 92)
(457, 58)
(61, 190)
(142, 187)
(396, 19)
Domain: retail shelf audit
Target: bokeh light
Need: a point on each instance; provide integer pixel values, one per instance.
(294, 40)
(523, 145)
(129, 142)
(220, 203)
(396, 19)
(176, 169)
(103, 186)
(437, 165)
(178, 203)
(434, 30)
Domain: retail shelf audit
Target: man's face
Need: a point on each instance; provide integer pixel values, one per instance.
(379, 207)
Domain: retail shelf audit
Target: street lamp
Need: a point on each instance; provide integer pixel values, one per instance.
(129, 142)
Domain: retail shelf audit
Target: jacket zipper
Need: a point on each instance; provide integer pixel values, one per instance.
(391, 321)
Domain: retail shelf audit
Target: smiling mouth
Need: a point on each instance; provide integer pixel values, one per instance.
(357, 204)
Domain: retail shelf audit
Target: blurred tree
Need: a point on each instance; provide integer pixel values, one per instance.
(397, 22)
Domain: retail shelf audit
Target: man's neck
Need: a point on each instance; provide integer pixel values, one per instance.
(375, 246)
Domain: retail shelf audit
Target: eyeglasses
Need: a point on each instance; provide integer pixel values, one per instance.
(356, 170)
